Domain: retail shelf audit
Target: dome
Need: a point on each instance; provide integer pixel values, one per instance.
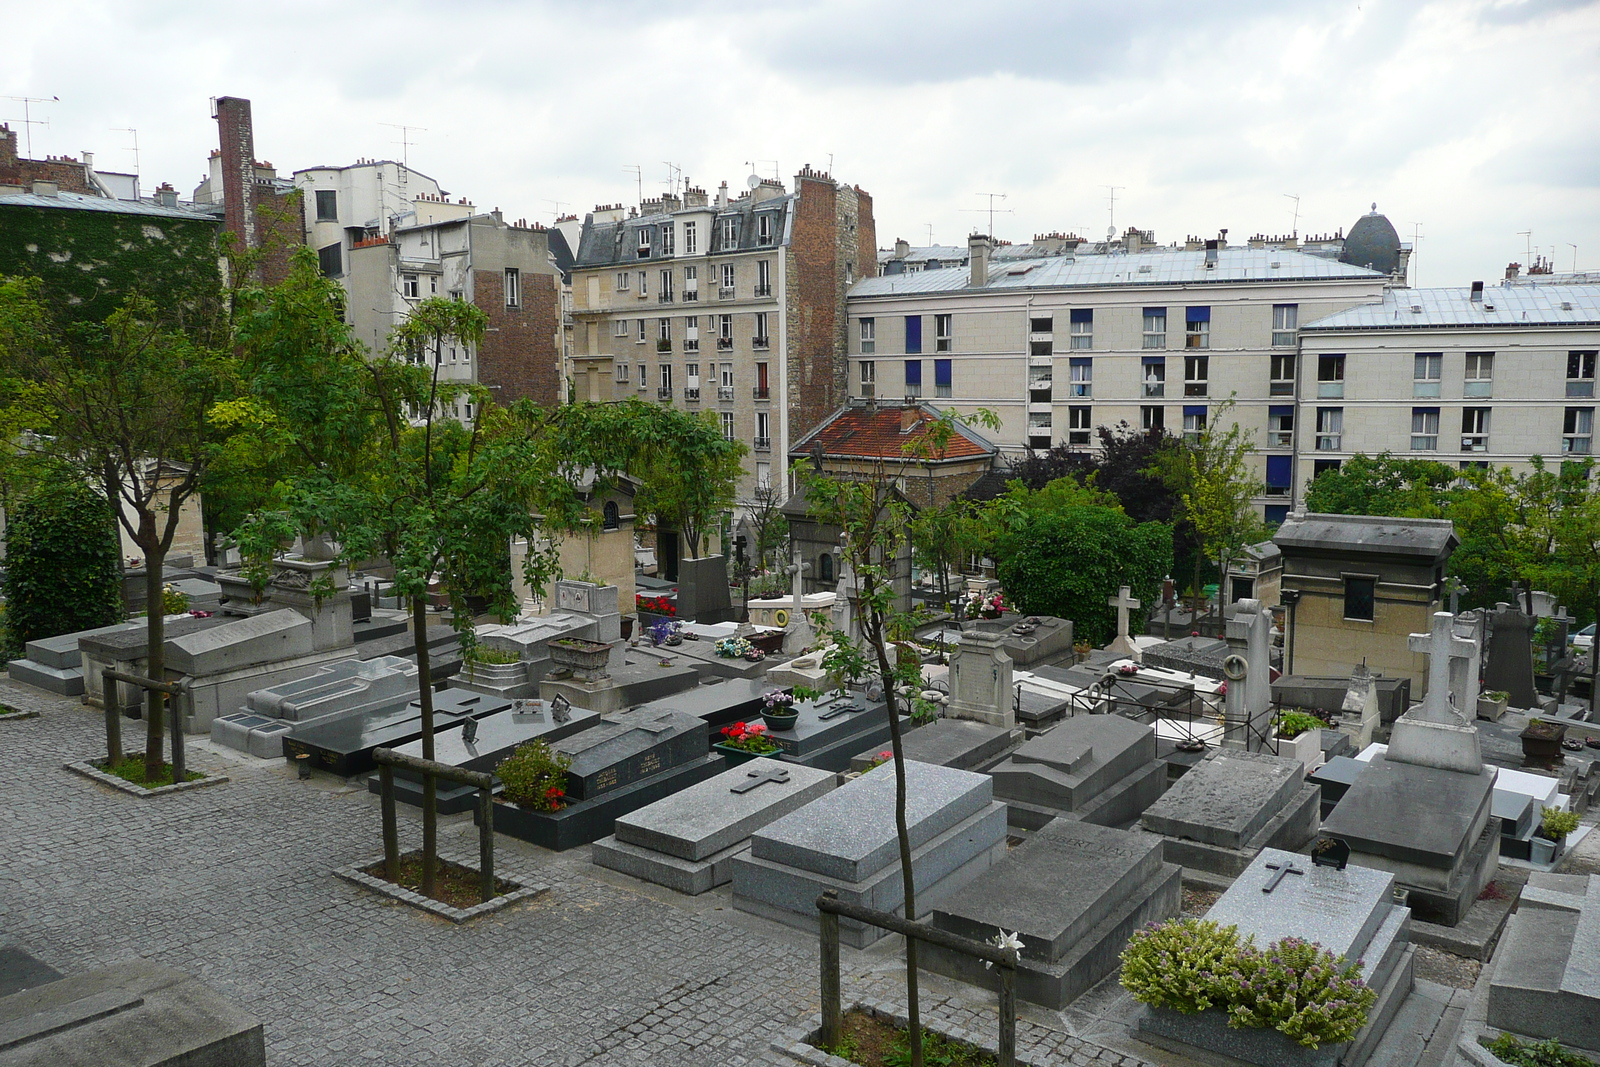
(1373, 243)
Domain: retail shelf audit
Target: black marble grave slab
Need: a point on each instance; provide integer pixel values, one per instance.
(344, 745)
(830, 731)
(718, 703)
(1335, 778)
(627, 746)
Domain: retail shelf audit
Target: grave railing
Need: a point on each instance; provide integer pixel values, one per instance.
(387, 760)
(175, 691)
(1005, 962)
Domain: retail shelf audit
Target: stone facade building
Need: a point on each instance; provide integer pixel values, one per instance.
(729, 305)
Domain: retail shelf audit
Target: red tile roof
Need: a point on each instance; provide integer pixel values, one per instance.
(861, 432)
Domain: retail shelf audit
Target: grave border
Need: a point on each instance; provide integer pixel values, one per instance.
(354, 875)
(87, 769)
(796, 1042)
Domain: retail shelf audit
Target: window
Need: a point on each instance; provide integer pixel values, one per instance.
(327, 205)
(1359, 594)
(611, 516)
(727, 425)
(1322, 465)
(725, 375)
(1480, 376)
(1280, 475)
(638, 333)
(664, 330)
(1280, 427)
(1330, 429)
(1155, 376)
(1152, 419)
(1079, 424)
(666, 380)
(668, 233)
(330, 259)
(724, 333)
(913, 377)
(1577, 431)
(1282, 376)
(1041, 325)
(433, 284)
(1580, 373)
(408, 286)
(1155, 327)
(1197, 328)
(622, 281)
(941, 377)
(869, 336)
(1194, 422)
(1039, 384)
(691, 334)
(1039, 429)
(1474, 429)
(691, 381)
(1330, 377)
(644, 242)
(691, 282)
(825, 568)
(869, 377)
(1276, 514)
(764, 277)
(725, 290)
(1082, 328)
(619, 328)
(730, 233)
(1285, 321)
(622, 373)
(761, 339)
(664, 292)
(764, 229)
(689, 248)
(763, 430)
(1082, 371)
(1426, 370)
(913, 334)
(513, 287)
(1196, 375)
(941, 333)
(1424, 429)
(762, 388)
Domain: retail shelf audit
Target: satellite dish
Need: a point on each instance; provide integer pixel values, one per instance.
(1111, 232)
(753, 181)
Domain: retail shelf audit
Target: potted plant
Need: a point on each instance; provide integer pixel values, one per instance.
(1550, 838)
(779, 711)
(1492, 705)
(1081, 650)
(744, 741)
(652, 608)
(1541, 740)
(665, 632)
(535, 777)
(586, 660)
(1300, 737)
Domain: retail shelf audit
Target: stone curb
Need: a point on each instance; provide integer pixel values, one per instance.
(356, 876)
(796, 1042)
(89, 770)
(17, 716)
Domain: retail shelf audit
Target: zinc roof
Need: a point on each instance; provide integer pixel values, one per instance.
(79, 202)
(1502, 306)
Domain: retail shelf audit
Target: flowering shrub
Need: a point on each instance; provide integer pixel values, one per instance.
(1295, 987)
(662, 631)
(879, 760)
(779, 702)
(738, 648)
(986, 607)
(535, 777)
(749, 737)
(656, 605)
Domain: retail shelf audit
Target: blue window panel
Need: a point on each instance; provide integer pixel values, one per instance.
(941, 372)
(913, 372)
(1276, 410)
(1080, 361)
(1198, 315)
(1158, 312)
(913, 334)
(1194, 409)
(1157, 360)
(1276, 513)
(1280, 471)
(1082, 314)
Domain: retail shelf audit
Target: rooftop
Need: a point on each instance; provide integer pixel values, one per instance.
(1501, 306)
(866, 431)
(79, 202)
(1428, 538)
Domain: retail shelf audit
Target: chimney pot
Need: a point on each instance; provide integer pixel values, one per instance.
(978, 248)
(902, 248)
(910, 415)
(44, 188)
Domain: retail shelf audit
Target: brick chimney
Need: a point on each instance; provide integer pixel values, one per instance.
(978, 248)
(910, 415)
(238, 140)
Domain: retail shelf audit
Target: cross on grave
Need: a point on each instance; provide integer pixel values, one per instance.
(755, 779)
(1441, 645)
(799, 633)
(1287, 868)
(838, 710)
(1123, 602)
(560, 709)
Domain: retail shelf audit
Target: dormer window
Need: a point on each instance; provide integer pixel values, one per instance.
(644, 242)
(730, 232)
(689, 245)
(764, 229)
(667, 236)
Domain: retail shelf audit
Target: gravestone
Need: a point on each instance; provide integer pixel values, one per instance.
(718, 703)
(1247, 721)
(1075, 893)
(1359, 714)
(1546, 980)
(846, 841)
(599, 604)
(620, 764)
(966, 746)
(126, 649)
(703, 593)
(980, 680)
(1037, 639)
(347, 687)
(798, 635)
(833, 728)
(640, 679)
(1441, 732)
(1230, 806)
(1326, 694)
(1350, 912)
(343, 744)
(1194, 655)
(1123, 644)
(1510, 666)
(531, 638)
(845, 605)
(295, 584)
(685, 841)
(1092, 768)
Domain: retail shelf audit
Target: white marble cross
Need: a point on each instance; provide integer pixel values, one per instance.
(1441, 646)
(1123, 602)
(799, 634)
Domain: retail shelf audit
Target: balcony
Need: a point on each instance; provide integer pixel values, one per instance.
(761, 392)
(724, 392)
(663, 298)
(663, 344)
(724, 344)
(692, 393)
(1281, 389)
(725, 292)
(1474, 442)
(664, 393)
(691, 344)
(761, 344)
(763, 290)
(763, 444)
(690, 294)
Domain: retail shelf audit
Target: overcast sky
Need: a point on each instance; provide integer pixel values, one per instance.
(1477, 119)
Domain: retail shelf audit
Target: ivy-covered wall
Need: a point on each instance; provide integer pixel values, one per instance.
(91, 260)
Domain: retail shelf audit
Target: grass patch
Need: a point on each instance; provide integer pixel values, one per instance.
(871, 1042)
(1535, 1054)
(131, 769)
(497, 656)
(456, 885)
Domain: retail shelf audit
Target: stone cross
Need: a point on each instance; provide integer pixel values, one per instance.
(755, 779)
(1248, 713)
(1287, 868)
(844, 605)
(1440, 645)
(799, 634)
(1123, 644)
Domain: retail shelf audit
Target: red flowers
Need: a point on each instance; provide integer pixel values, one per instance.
(656, 605)
(749, 737)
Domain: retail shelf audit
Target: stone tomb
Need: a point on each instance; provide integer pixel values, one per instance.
(685, 842)
(343, 744)
(1036, 639)
(845, 841)
(627, 760)
(54, 664)
(640, 680)
(347, 687)
(966, 746)
(1349, 912)
(831, 730)
(718, 703)
(1546, 980)
(1230, 806)
(127, 649)
(1092, 768)
(1075, 893)
(497, 736)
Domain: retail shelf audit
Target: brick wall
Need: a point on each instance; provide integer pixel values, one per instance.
(238, 140)
(520, 352)
(70, 175)
(813, 305)
(278, 231)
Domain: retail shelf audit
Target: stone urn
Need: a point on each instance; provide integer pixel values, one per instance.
(1541, 740)
(1491, 706)
(584, 660)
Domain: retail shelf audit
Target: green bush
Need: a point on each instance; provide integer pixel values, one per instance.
(498, 656)
(1556, 824)
(173, 600)
(63, 564)
(1178, 964)
(1300, 990)
(1292, 724)
(1550, 1053)
(535, 777)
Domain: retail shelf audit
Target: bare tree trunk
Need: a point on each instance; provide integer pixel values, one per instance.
(155, 631)
(430, 784)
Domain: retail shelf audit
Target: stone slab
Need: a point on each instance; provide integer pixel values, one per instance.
(824, 723)
(277, 635)
(21, 970)
(1226, 798)
(689, 877)
(1074, 762)
(340, 687)
(1290, 829)
(1421, 815)
(628, 686)
(1546, 981)
(723, 811)
(343, 745)
(62, 651)
(719, 703)
(65, 681)
(1340, 910)
(627, 746)
(954, 743)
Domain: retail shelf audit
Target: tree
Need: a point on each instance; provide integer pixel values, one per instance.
(1383, 485)
(943, 537)
(689, 472)
(63, 563)
(124, 406)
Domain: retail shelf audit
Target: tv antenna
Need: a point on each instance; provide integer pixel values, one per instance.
(404, 142)
(775, 171)
(1294, 230)
(1528, 236)
(638, 177)
(1574, 256)
(1111, 206)
(674, 176)
(1416, 239)
(991, 210)
(929, 226)
(558, 205)
(28, 121)
(135, 148)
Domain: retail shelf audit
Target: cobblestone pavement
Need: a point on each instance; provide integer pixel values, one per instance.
(233, 883)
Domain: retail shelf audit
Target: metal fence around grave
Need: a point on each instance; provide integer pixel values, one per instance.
(1193, 718)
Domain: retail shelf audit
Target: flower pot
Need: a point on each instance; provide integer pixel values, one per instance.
(736, 756)
(768, 641)
(1491, 709)
(777, 720)
(586, 660)
(1544, 849)
(1543, 741)
(1209, 1030)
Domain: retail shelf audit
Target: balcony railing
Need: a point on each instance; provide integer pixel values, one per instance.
(1281, 389)
(724, 392)
(725, 292)
(724, 344)
(691, 294)
(692, 392)
(663, 344)
(1280, 439)
(1196, 388)
(763, 444)
(664, 393)
(761, 343)
(663, 298)
(691, 344)
(761, 392)
(1474, 442)
(763, 290)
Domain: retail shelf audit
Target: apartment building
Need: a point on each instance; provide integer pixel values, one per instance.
(733, 305)
(1477, 376)
(1062, 336)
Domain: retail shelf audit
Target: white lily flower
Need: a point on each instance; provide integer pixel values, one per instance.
(1003, 940)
